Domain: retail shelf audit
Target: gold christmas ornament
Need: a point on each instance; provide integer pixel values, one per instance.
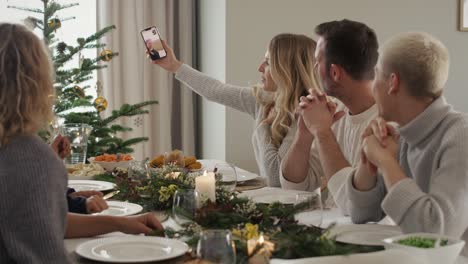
(54, 23)
(100, 103)
(107, 54)
(79, 91)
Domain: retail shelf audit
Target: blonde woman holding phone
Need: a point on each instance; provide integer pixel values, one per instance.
(287, 72)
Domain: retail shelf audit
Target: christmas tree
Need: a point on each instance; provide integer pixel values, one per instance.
(73, 104)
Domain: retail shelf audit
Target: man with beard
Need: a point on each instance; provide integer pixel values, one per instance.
(346, 54)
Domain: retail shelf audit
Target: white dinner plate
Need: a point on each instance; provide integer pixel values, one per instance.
(117, 208)
(278, 197)
(131, 249)
(90, 185)
(366, 234)
(245, 177)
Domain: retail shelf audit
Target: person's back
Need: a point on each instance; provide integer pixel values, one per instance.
(32, 178)
(32, 204)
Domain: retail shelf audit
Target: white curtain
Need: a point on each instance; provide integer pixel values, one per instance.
(132, 78)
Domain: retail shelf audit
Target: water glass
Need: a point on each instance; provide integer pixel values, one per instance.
(216, 246)
(185, 205)
(311, 204)
(228, 175)
(138, 170)
(77, 134)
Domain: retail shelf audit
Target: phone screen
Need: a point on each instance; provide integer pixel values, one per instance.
(153, 43)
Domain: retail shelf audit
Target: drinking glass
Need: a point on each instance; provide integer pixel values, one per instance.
(216, 246)
(311, 207)
(77, 134)
(228, 175)
(138, 170)
(185, 205)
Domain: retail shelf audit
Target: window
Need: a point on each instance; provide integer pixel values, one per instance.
(83, 25)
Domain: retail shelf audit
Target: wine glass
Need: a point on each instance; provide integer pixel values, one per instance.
(228, 175)
(216, 246)
(185, 205)
(311, 208)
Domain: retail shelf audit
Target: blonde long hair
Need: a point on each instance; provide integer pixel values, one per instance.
(292, 69)
(26, 83)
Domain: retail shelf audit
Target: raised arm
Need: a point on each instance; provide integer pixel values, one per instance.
(240, 98)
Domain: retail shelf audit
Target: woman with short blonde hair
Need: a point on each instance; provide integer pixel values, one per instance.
(287, 74)
(33, 179)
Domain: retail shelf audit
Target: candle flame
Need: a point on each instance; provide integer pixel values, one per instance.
(204, 173)
(261, 240)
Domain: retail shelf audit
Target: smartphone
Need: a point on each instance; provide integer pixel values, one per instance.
(153, 43)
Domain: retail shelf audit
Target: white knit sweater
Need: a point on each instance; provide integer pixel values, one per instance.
(242, 98)
(348, 131)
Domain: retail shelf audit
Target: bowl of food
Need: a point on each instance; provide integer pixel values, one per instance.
(176, 158)
(82, 171)
(426, 247)
(111, 161)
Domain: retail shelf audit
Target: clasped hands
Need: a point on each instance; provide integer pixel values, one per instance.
(316, 113)
(379, 145)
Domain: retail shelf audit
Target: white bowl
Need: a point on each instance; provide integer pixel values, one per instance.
(447, 254)
(111, 165)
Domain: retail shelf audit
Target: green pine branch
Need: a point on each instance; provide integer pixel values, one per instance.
(119, 128)
(34, 10)
(94, 46)
(68, 5)
(128, 110)
(51, 8)
(98, 35)
(133, 141)
(103, 132)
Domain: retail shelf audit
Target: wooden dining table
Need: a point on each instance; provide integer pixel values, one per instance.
(329, 215)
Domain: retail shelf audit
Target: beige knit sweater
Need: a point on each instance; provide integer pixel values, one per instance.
(433, 153)
(242, 98)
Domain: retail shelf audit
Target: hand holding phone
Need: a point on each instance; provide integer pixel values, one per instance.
(170, 62)
(153, 43)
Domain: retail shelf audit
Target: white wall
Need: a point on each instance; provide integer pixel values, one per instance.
(250, 24)
(212, 60)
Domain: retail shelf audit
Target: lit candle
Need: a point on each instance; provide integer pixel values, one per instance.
(259, 250)
(205, 186)
(251, 245)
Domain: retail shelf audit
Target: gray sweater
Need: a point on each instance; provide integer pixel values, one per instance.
(33, 208)
(242, 98)
(433, 153)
